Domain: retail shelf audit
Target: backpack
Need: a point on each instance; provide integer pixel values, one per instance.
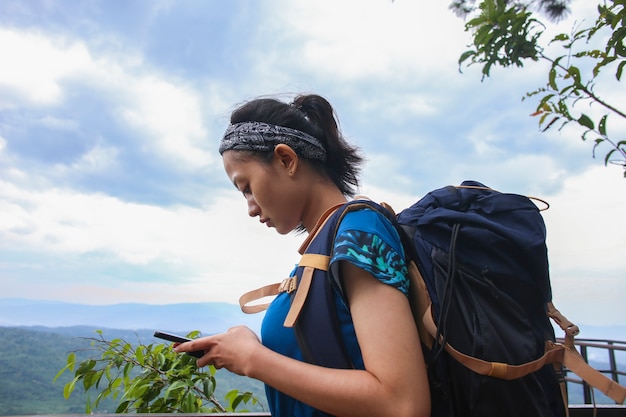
(481, 297)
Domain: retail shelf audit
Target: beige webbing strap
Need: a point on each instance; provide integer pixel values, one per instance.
(315, 260)
(310, 262)
(289, 284)
(494, 369)
(555, 352)
(266, 291)
(298, 300)
(576, 363)
(420, 300)
(567, 326)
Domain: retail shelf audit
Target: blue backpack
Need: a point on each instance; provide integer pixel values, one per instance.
(481, 297)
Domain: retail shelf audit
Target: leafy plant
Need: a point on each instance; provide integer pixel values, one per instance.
(148, 379)
(506, 35)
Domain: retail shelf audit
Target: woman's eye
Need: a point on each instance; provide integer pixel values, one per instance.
(246, 191)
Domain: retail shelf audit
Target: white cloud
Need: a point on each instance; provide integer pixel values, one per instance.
(218, 243)
(99, 159)
(586, 217)
(586, 245)
(171, 115)
(56, 123)
(356, 40)
(166, 113)
(26, 55)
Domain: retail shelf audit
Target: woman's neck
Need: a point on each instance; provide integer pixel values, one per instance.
(320, 202)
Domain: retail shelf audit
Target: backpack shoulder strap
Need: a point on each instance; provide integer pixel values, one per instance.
(289, 285)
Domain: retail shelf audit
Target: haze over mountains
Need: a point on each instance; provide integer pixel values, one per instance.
(209, 318)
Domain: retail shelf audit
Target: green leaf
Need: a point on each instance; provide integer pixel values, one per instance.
(89, 379)
(465, 56)
(139, 355)
(160, 359)
(86, 366)
(542, 119)
(175, 386)
(602, 125)
(207, 390)
(608, 156)
(231, 395)
(586, 121)
(189, 403)
(550, 123)
(59, 374)
(69, 388)
(122, 408)
(575, 73)
(115, 384)
(561, 37)
(552, 79)
(71, 361)
(620, 69)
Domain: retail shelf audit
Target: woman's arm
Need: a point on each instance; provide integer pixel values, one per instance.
(394, 382)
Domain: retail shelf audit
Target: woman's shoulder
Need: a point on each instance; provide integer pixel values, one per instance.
(369, 240)
(370, 220)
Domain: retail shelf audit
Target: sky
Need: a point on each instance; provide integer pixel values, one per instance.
(111, 112)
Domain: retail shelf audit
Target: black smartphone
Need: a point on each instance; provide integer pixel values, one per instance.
(178, 339)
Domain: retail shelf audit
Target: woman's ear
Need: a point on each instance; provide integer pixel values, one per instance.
(286, 157)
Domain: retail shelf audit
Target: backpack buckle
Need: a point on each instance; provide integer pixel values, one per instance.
(288, 285)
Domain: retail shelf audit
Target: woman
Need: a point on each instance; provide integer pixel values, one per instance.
(292, 166)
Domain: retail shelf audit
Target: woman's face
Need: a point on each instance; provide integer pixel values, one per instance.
(269, 190)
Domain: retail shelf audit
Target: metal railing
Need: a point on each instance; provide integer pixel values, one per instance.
(597, 352)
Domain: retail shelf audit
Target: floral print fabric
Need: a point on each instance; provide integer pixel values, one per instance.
(368, 240)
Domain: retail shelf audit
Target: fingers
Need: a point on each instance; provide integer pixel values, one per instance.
(230, 350)
(200, 348)
(194, 348)
(206, 360)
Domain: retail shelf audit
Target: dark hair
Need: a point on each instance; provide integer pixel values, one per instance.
(314, 115)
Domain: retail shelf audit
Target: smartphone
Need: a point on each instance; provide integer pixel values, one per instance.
(178, 339)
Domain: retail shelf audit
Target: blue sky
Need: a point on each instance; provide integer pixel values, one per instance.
(112, 190)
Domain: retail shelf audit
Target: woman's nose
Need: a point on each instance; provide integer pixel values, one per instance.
(253, 208)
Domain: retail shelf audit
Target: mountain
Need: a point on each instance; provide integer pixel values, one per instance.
(31, 357)
(38, 335)
(209, 318)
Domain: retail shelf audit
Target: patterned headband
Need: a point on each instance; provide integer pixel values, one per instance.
(263, 137)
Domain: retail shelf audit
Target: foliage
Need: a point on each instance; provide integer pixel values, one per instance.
(29, 360)
(507, 34)
(555, 9)
(148, 379)
(30, 357)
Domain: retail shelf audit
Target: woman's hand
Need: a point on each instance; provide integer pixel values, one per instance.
(231, 350)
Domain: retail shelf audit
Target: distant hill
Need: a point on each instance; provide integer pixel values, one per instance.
(38, 335)
(209, 318)
(31, 357)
